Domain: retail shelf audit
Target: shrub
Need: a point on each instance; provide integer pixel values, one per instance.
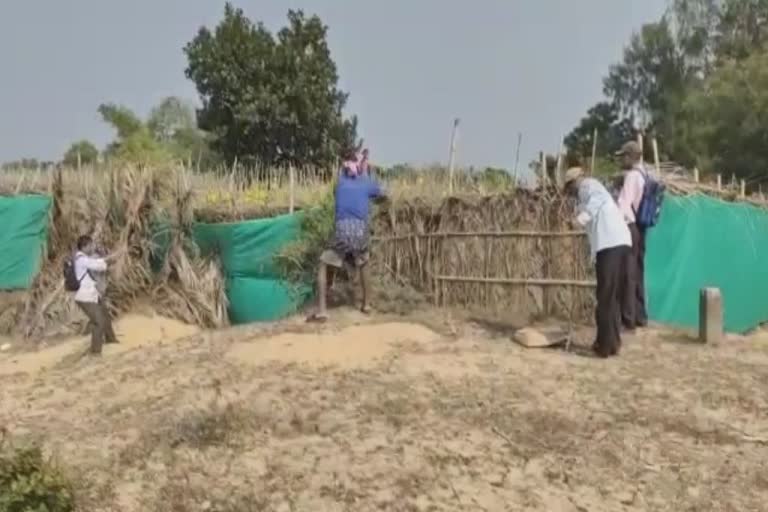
(31, 482)
(297, 261)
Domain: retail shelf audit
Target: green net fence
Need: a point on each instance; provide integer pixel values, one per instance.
(701, 242)
(23, 237)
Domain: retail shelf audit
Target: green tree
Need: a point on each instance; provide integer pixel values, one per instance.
(725, 120)
(743, 28)
(134, 142)
(612, 131)
(168, 118)
(82, 152)
(173, 124)
(270, 100)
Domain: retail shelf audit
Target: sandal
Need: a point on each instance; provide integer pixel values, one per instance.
(317, 318)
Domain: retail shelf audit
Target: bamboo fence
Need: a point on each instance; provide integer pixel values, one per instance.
(512, 253)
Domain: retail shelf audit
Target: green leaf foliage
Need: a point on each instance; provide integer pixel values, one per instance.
(270, 99)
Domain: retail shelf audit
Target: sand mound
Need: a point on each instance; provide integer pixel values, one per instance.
(352, 347)
(133, 331)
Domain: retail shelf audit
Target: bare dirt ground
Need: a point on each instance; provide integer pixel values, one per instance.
(392, 414)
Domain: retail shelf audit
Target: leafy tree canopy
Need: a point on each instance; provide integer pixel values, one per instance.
(81, 153)
(270, 99)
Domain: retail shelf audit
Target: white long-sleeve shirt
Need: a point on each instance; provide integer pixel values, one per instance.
(84, 265)
(601, 217)
(632, 192)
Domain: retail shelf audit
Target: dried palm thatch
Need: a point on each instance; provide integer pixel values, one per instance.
(122, 213)
(512, 253)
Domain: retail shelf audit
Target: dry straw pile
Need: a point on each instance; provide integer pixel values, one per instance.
(121, 208)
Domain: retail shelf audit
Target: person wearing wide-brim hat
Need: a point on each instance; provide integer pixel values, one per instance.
(609, 242)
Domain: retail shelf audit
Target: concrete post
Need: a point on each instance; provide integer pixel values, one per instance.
(710, 316)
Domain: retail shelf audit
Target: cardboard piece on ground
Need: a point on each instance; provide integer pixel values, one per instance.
(545, 337)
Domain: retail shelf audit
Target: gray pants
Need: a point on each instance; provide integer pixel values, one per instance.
(100, 324)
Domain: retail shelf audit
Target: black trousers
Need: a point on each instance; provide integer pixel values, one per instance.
(633, 312)
(610, 270)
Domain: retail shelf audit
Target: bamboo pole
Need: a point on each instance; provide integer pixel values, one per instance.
(594, 153)
(544, 176)
(656, 157)
(743, 189)
(719, 182)
(484, 234)
(696, 174)
(642, 149)
(452, 154)
(291, 187)
(517, 156)
(516, 281)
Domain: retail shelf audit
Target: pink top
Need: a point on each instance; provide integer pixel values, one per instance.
(631, 193)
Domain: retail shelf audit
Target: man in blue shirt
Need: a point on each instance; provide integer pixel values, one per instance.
(349, 247)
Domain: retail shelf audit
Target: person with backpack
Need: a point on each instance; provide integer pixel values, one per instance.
(80, 273)
(640, 201)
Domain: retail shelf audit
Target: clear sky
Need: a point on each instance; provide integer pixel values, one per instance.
(411, 66)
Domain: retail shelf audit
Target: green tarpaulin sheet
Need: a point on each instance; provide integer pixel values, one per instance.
(246, 249)
(701, 242)
(23, 235)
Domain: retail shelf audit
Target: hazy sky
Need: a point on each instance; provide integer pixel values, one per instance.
(411, 66)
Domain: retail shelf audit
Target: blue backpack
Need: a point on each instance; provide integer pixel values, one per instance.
(649, 211)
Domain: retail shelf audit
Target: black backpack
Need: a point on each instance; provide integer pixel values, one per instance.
(71, 282)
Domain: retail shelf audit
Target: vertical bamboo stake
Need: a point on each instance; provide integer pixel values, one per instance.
(79, 161)
(560, 158)
(594, 153)
(452, 154)
(696, 174)
(291, 187)
(719, 182)
(743, 191)
(544, 178)
(517, 155)
(642, 148)
(656, 157)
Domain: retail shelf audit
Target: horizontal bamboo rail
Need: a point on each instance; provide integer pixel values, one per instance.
(517, 281)
(484, 234)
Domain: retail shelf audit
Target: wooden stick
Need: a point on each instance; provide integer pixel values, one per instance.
(656, 157)
(719, 182)
(291, 187)
(743, 190)
(594, 153)
(696, 174)
(544, 173)
(517, 281)
(452, 154)
(640, 143)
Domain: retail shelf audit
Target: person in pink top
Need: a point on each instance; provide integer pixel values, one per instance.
(363, 162)
(633, 308)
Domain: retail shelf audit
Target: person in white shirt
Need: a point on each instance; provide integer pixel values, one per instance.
(633, 310)
(609, 242)
(88, 297)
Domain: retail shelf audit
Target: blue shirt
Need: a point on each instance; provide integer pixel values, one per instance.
(352, 196)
